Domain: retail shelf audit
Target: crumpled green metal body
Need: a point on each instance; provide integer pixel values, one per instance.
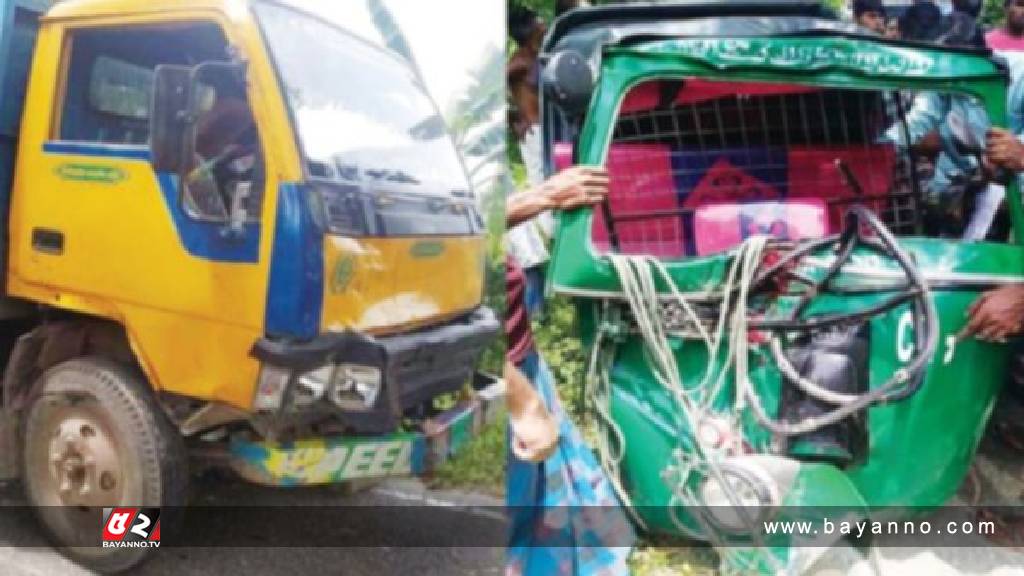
(919, 449)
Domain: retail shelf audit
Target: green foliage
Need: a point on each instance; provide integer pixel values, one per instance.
(391, 32)
(557, 340)
(480, 465)
(493, 361)
(476, 118)
(654, 560)
(545, 8)
(993, 13)
(836, 5)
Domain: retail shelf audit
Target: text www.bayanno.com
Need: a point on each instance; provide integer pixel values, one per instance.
(862, 528)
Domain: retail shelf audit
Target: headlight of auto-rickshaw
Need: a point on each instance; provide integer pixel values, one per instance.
(741, 498)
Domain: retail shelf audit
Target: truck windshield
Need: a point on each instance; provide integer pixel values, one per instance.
(362, 114)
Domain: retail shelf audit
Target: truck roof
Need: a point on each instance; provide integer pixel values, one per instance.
(71, 9)
(78, 8)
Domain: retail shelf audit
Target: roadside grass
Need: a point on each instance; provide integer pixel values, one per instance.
(557, 339)
(480, 466)
(651, 559)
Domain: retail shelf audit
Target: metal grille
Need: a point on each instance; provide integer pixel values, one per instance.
(681, 146)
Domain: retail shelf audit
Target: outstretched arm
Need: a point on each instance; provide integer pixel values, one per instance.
(572, 188)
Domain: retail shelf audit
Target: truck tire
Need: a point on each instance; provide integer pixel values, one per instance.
(94, 437)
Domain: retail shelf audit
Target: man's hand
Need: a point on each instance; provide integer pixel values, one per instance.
(571, 188)
(575, 187)
(1004, 150)
(996, 314)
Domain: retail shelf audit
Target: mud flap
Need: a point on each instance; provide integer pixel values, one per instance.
(818, 491)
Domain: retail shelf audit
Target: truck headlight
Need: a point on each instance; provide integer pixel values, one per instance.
(355, 388)
(311, 386)
(271, 388)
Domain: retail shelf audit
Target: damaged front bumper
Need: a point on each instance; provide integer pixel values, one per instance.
(370, 383)
(322, 461)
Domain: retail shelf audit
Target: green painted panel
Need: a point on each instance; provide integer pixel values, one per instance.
(942, 424)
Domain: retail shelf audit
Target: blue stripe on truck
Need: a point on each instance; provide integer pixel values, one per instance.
(97, 150)
(295, 291)
(295, 295)
(205, 240)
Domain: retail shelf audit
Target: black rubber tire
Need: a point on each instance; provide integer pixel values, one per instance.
(150, 449)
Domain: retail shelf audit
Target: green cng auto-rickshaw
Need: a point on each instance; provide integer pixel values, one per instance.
(772, 295)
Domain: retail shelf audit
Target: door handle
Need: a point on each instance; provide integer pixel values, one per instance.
(48, 241)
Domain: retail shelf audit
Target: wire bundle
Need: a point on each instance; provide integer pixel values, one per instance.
(638, 277)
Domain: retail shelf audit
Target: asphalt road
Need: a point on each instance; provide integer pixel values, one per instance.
(266, 561)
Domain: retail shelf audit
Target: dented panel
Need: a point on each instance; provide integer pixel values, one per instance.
(385, 285)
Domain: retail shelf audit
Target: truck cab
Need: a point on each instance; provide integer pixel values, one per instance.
(213, 226)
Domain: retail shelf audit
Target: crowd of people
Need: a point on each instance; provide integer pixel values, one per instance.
(998, 314)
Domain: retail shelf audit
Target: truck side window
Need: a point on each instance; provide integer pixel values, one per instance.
(109, 87)
(227, 166)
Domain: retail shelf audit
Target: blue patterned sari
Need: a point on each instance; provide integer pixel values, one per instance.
(565, 516)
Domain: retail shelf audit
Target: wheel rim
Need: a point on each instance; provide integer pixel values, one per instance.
(76, 466)
(85, 465)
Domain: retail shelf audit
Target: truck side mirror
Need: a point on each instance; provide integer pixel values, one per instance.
(169, 122)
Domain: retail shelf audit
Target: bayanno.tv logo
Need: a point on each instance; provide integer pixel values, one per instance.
(131, 527)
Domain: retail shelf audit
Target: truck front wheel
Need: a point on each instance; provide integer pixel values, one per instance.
(94, 438)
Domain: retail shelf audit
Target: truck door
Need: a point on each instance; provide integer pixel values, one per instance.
(97, 229)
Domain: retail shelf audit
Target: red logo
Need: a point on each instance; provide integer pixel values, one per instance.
(131, 527)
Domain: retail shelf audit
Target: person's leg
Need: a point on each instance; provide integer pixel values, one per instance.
(525, 554)
(524, 488)
(579, 501)
(534, 296)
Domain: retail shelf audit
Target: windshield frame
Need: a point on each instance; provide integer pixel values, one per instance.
(578, 267)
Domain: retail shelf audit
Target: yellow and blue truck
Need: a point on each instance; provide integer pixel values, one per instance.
(234, 229)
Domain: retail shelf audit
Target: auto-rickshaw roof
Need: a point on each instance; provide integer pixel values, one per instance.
(589, 31)
(620, 20)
